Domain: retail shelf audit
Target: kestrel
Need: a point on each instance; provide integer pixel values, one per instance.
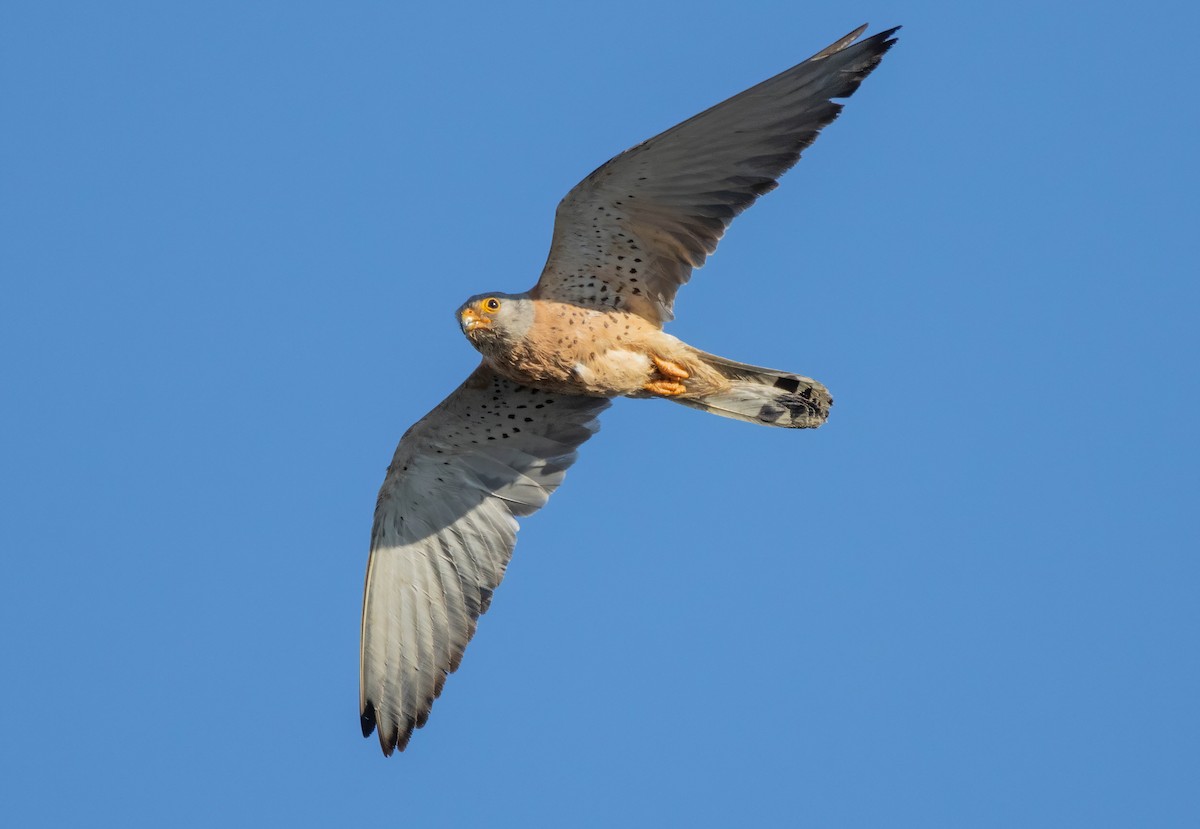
(625, 239)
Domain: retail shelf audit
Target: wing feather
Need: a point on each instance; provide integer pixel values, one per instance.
(445, 527)
(630, 233)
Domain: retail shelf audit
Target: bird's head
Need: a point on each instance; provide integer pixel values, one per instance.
(492, 320)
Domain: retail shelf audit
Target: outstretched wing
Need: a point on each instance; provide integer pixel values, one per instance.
(444, 532)
(629, 234)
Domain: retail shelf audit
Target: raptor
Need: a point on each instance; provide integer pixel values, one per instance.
(591, 329)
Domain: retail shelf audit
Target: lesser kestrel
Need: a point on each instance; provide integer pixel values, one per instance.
(625, 239)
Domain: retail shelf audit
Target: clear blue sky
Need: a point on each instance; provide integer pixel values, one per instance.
(234, 236)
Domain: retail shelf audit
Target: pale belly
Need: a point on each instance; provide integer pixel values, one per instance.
(615, 371)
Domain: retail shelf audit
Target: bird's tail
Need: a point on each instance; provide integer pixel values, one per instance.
(762, 395)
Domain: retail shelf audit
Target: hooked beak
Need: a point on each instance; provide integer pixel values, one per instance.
(470, 320)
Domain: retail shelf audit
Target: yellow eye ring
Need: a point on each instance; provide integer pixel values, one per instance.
(492, 305)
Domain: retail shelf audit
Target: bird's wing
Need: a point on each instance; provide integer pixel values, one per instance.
(444, 532)
(630, 233)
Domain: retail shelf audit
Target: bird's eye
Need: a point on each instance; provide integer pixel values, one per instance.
(492, 305)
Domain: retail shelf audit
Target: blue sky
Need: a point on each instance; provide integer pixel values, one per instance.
(234, 238)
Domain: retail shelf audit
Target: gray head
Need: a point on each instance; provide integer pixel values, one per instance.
(494, 321)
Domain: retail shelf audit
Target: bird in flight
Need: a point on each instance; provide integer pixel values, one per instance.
(625, 239)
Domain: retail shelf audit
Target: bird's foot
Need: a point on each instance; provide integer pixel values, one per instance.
(670, 370)
(666, 388)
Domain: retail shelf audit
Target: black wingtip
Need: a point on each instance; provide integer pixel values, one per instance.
(391, 736)
(880, 41)
(886, 36)
(367, 719)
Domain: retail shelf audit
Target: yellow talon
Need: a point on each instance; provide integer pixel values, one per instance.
(666, 388)
(666, 368)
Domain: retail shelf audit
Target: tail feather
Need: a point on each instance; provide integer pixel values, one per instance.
(763, 395)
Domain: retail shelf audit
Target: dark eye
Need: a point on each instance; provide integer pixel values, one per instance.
(492, 305)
